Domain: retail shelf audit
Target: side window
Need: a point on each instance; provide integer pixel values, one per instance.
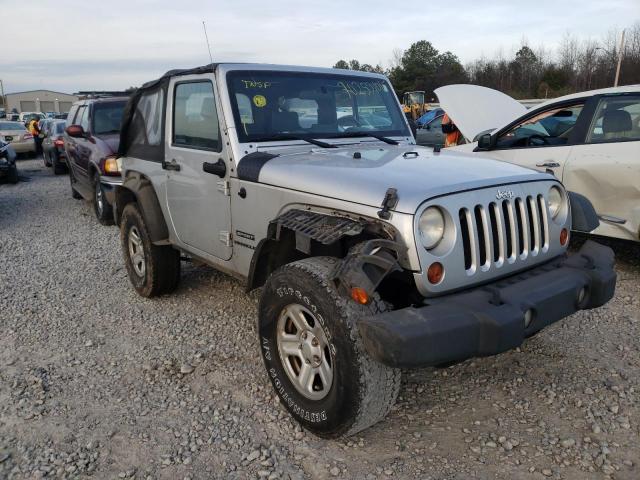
(72, 114)
(148, 115)
(548, 128)
(436, 124)
(83, 120)
(617, 119)
(195, 118)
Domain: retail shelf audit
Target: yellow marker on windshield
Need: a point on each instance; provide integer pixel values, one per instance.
(259, 101)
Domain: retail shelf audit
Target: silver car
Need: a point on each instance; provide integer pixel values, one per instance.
(16, 134)
(373, 254)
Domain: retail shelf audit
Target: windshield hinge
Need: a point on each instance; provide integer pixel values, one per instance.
(225, 238)
(224, 187)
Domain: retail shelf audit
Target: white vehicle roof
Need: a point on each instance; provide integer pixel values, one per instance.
(475, 109)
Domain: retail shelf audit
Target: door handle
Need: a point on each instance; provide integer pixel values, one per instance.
(548, 164)
(218, 168)
(172, 165)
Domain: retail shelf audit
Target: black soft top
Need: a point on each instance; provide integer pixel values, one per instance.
(134, 123)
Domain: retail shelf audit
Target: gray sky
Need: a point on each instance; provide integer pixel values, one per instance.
(114, 44)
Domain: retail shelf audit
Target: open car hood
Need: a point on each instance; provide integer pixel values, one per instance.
(475, 109)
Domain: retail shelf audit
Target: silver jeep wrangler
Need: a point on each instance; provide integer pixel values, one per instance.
(373, 254)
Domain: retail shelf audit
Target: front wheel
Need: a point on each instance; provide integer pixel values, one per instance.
(102, 208)
(153, 269)
(314, 355)
(12, 176)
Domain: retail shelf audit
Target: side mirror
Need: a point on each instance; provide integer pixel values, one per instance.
(75, 131)
(484, 142)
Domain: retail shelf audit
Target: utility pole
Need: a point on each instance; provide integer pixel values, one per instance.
(620, 53)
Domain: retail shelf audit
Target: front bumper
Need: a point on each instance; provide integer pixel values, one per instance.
(491, 319)
(109, 185)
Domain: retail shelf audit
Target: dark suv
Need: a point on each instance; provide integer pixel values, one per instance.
(91, 142)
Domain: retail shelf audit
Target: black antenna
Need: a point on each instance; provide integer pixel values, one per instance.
(204, 26)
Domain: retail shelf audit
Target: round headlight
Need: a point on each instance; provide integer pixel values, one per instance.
(555, 201)
(431, 227)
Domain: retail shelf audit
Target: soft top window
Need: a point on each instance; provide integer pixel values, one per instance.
(142, 134)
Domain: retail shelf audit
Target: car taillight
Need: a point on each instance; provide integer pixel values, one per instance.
(27, 136)
(58, 143)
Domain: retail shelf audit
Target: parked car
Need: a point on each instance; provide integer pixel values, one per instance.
(90, 142)
(8, 168)
(53, 152)
(430, 115)
(50, 114)
(17, 135)
(373, 253)
(61, 116)
(3, 113)
(589, 140)
(12, 117)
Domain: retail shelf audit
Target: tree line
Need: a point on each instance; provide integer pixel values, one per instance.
(576, 65)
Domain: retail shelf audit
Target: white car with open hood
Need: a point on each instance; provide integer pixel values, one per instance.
(589, 140)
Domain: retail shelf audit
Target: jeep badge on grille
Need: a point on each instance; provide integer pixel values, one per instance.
(504, 195)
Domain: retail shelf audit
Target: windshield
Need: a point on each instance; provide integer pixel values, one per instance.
(11, 126)
(107, 117)
(275, 105)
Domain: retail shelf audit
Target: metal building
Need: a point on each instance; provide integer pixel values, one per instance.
(39, 101)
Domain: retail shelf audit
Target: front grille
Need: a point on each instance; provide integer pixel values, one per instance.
(502, 232)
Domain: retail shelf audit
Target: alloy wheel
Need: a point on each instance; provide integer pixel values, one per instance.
(136, 252)
(304, 352)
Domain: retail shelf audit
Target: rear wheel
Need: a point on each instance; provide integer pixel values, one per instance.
(58, 167)
(102, 208)
(314, 355)
(153, 269)
(74, 192)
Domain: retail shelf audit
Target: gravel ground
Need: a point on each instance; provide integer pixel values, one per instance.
(98, 382)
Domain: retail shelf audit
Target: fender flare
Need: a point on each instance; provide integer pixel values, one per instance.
(583, 216)
(136, 187)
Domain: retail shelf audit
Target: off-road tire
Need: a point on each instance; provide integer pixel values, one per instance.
(12, 176)
(58, 167)
(162, 262)
(363, 390)
(74, 193)
(102, 208)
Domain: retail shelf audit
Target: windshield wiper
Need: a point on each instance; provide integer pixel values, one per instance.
(286, 136)
(388, 140)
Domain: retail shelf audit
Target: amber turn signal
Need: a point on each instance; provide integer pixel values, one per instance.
(435, 273)
(360, 295)
(564, 237)
(112, 165)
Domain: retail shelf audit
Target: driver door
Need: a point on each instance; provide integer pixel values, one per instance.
(542, 140)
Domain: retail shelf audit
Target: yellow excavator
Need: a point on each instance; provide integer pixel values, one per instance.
(413, 104)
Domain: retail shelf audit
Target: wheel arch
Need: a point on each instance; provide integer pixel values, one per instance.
(299, 234)
(138, 188)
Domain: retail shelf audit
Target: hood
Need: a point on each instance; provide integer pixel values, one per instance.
(475, 109)
(111, 142)
(336, 173)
